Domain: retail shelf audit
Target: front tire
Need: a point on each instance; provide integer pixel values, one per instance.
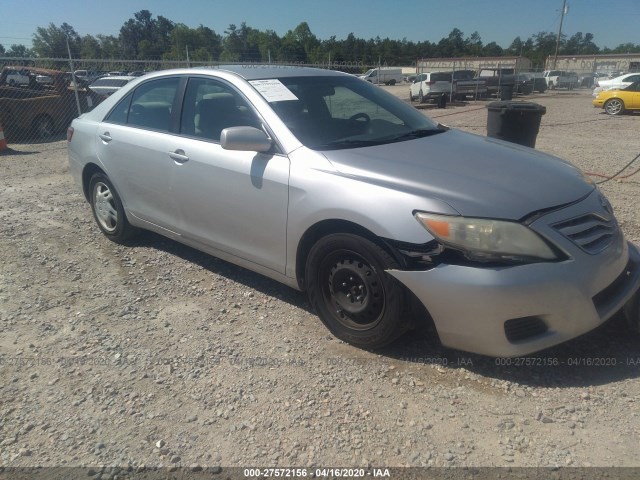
(347, 286)
(108, 211)
(614, 106)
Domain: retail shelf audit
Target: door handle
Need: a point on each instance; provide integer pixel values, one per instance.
(178, 156)
(105, 137)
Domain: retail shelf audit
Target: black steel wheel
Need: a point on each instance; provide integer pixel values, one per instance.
(351, 293)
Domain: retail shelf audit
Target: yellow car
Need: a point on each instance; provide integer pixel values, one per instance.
(615, 102)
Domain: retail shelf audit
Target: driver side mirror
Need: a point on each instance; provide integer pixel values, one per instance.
(245, 139)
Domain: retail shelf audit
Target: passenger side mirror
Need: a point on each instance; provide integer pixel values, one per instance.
(245, 139)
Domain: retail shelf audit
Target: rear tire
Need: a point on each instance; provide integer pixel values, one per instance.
(347, 286)
(108, 210)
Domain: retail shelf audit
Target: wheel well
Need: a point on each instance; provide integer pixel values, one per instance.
(329, 227)
(415, 308)
(89, 171)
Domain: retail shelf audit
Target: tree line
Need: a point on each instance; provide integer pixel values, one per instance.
(144, 37)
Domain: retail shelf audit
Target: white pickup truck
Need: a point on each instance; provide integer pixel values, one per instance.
(386, 75)
(560, 79)
(17, 77)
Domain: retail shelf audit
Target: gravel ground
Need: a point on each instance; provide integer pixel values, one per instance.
(155, 354)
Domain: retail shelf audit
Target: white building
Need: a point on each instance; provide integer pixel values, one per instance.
(621, 62)
(472, 63)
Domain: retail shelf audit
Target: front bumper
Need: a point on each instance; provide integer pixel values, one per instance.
(476, 309)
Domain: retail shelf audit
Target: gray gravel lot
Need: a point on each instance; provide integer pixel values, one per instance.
(156, 354)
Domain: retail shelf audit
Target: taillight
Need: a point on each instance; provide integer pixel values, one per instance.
(69, 134)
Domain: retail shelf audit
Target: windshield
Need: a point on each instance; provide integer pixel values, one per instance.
(336, 112)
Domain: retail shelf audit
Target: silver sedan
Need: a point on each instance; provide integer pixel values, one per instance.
(332, 186)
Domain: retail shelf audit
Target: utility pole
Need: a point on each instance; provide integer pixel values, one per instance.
(555, 58)
(73, 78)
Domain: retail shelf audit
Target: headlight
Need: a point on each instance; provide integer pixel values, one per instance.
(487, 240)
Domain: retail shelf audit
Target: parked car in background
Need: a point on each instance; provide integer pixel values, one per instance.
(616, 83)
(85, 77)
(524, 84)
(539, 82)
(15, 77)
(430, 86)
(44, 79)
(40, 113)
(560, 79)
(587, 80)
(386, 75)
(619, 100)
(105, 86)
(467, 84)
(498, 79)
(274, 169)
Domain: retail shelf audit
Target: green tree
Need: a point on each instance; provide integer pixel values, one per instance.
(473, 45)
(110, 46)
(145, 37)
(18, 50)
(90, 47)
(492, 50)
(51, 41)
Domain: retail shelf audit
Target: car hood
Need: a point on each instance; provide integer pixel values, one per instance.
(477, 176)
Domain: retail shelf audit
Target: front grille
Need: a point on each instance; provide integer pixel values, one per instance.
(592, 232)
(520, 329)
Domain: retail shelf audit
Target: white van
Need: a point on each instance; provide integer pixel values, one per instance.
(388, 76)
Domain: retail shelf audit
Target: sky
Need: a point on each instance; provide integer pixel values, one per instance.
(611, 23)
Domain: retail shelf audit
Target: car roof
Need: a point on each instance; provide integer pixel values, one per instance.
(116, 77)
(261, 72)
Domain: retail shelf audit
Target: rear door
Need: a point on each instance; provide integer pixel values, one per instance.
(133, 144)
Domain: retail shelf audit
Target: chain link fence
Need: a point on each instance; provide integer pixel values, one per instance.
(39, 97)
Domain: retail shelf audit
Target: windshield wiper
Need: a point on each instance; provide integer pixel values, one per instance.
(418, 133)
(348, 144)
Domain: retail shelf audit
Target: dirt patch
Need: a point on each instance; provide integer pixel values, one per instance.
(156, 354)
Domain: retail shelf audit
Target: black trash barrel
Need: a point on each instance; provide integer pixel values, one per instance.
(506, 92)
(517, 122)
